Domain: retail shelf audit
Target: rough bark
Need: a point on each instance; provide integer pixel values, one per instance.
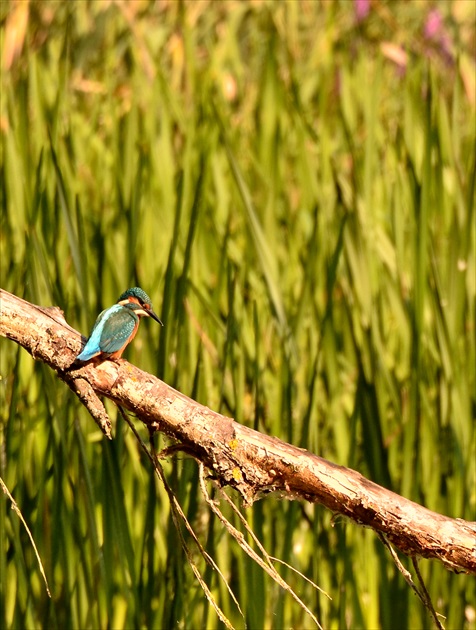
(251, 462)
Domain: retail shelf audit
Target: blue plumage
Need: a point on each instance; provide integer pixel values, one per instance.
(115, 327)
(111, 331)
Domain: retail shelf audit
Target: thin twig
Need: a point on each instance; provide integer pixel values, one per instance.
(20, 515)
(177, 513)
(406, 574)
(422, 594)
(238, 536)
(304, 577)
(426, 596)
(269, 559)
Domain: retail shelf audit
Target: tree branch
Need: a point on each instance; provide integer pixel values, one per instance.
(251, 462)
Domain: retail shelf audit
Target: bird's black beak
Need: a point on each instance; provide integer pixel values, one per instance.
(151, 313)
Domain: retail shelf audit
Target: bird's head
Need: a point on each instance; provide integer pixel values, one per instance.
(138, 301)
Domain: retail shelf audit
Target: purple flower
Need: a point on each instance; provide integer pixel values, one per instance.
(436, 33)
(433, 24)
(362, 9)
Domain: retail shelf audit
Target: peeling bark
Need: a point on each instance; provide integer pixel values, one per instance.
(251, 462)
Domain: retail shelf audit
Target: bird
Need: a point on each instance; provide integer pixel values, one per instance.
(117, 326)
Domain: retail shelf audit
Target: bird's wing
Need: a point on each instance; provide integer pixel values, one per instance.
(91, 349)
(116, 329)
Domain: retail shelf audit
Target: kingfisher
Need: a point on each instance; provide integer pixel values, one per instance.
(117, 326)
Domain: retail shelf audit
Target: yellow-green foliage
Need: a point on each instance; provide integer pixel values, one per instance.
(294, 187)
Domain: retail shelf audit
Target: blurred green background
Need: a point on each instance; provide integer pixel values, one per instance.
(293, 184)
